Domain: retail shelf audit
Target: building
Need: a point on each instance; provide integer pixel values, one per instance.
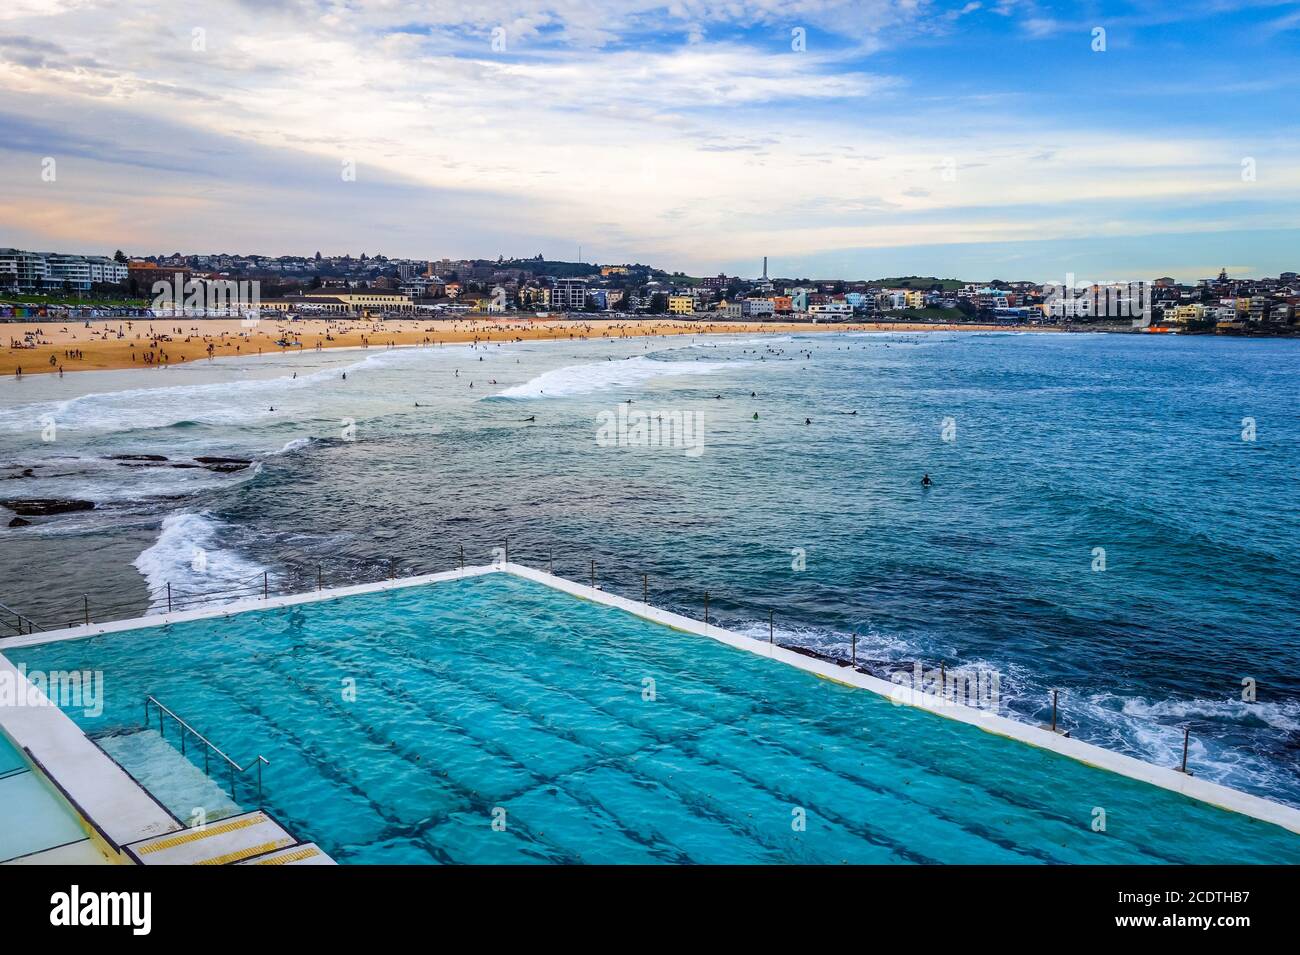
(569, 295)
(25, 271)
(831, 310)
(757, 308)
(364, 299)
(35, 271)
(681, 304)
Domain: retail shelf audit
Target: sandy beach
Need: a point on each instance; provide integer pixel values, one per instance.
(51, 346)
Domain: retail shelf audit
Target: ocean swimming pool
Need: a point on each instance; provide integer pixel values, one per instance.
(494, 719)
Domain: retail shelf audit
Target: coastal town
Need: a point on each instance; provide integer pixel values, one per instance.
(40, 285)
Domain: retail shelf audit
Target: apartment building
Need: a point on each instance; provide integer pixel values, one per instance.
(569, 295)
(36, 271)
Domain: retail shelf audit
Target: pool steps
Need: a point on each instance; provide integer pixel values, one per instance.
(157, 765)
(246, 838)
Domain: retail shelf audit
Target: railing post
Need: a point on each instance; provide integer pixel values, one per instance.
(943, 681)
(771, 629)
(855, 648)
(392, 573)
(318, 577)
(169, 596)
(1053, 726)
(505, 550)
(645, 588)
(706, 608)
(85, 606)
(265, 584)
(462, 556)
(593, 575)
(1187, 732)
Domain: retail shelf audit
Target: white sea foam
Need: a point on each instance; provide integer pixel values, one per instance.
(602, 376)
(192, 554)
(242, 401)
(297, 444)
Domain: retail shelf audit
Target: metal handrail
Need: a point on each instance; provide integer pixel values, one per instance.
(258, 761)
(32, 626)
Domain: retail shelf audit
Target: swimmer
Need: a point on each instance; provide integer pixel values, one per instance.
(926, 482)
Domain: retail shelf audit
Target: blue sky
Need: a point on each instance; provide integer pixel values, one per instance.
(973, 139)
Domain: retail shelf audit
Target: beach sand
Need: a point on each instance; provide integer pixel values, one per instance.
(47, 346)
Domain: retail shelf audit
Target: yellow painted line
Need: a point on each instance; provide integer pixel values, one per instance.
(297, 855)
(194, 835)
(246, 853)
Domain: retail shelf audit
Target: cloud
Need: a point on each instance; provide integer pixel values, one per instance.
(645, 131)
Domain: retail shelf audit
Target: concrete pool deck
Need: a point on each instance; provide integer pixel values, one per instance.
(63, 754)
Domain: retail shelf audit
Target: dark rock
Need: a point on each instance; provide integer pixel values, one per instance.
(27, 472)
(243, 461)
(137, 457)
(18, 522)
(40, 506)
(226, 468)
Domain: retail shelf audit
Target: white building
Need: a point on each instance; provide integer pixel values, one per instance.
(25, 271)
(36, 271)
(569, 295)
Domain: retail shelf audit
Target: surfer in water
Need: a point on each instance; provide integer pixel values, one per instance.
(926, 482)
(531, 418)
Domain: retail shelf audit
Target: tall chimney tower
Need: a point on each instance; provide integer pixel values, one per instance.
(765, 266)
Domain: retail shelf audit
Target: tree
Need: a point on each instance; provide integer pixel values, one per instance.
(120, 257)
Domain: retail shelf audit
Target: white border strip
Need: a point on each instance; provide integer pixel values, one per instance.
(1088, 753)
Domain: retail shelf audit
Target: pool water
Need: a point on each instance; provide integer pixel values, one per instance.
(496, 720)
(32, 817)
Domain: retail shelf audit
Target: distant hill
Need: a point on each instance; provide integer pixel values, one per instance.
(922, 282)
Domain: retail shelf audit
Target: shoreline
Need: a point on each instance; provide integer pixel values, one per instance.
(51, 346)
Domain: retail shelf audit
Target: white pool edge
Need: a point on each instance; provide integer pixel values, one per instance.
(1090, 754)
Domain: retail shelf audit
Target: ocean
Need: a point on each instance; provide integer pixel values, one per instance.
(1113, 518)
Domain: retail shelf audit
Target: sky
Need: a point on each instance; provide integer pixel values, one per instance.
(979, 139)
